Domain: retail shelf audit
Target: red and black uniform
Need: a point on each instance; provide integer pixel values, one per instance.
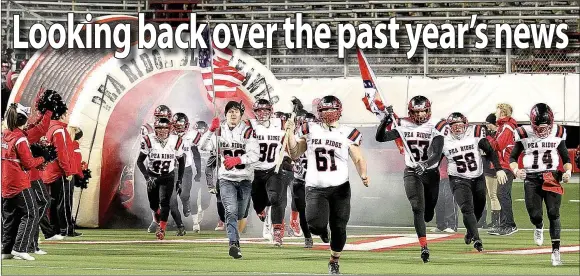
(55, 176)
(503, 143)
(19, 208)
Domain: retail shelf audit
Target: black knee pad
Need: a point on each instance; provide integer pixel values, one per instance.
(274, 198)
(553, 213)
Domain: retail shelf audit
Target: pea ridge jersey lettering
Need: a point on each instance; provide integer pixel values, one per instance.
(540, 154)
(162, 158)
(419, 138)
(463, 155)
(328, 154)
(270, 141)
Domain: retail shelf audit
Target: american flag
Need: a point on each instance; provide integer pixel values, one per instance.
(226, 78)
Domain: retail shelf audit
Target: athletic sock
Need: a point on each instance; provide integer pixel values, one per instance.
(295, 215)
(555, 245)
(423, 241)
(163, 225)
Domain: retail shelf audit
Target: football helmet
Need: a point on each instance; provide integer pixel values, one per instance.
(162, 128)
(419, 109)
(457, 124)
(281, 115)
(542, 119)
(179, 123)
(201, 126)
(162, 111)
(263, 110)
(329, 109)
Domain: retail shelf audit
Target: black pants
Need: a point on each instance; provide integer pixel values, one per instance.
(270, 189)
(189, 186)
(329, 206)
(470, 195)
(160, 197)
(43, 202)
(504, 195)
(299, 200)
(422, 192)
(446, 207)
(61, 206)
(19, 215)
(534, 195)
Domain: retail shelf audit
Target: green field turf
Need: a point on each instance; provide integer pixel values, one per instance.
(172, 257)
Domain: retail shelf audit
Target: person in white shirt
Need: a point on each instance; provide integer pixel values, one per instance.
(328, 147)
(238, 150)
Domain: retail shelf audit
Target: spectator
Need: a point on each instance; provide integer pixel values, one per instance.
(503, 143)
(490, 180)
(446, 208)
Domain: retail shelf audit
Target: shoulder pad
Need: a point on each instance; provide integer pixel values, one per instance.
(522, 132)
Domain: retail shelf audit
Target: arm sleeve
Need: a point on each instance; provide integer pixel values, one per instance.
(490, 153)
(63, 156)
(39, 129)
(252, 154)
(141, 164)
(515, 155)
(26, 159)
(384, 135)
(435, 151)
(207, 141)
(180, 167)
(196, 158)
(563, 151)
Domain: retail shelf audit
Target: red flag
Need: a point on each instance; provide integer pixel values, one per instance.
(373, 100)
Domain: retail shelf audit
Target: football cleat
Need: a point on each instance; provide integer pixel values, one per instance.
(556, 261)
(181, 231)
(25, 256)
(324, 237)
(220, 226)
(295, 226)
(308, 243)
(468, 238)
(152, 227)
(539, 236)
(186, 209)
(160, 234)
(196, 228)
(278, 235)
(56, 237)
(39, 251)
(448, 230)
(425, 254)
(235, 251)
(508, 231)
(333, 268)
(477, 244)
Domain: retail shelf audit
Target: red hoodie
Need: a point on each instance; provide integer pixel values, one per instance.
(34, 132)
(16, 161)
(58, 136)
(77, 160)
(504, 142)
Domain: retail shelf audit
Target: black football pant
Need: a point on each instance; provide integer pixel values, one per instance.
(191, 191)
(470, 195)
(299, 199)
(422, 192)
(61, 206)
(504, 195)
(329, 206)
(270, 189)
(19, 215)
(534, 195)
(220, 206)
(160, 197)
(43, 202)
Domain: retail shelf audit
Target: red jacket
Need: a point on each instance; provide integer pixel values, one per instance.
(77, 159)
(503, 142)
(58, 136)
(16, 161)
(34, 133)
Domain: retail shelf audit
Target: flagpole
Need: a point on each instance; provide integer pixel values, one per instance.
(210, 47)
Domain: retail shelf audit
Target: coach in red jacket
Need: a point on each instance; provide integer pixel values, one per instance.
(19, 208)
(58, 176)
(503, 143)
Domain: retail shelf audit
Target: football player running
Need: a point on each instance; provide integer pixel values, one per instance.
(163, 150)
(328, 147)
(465, 169)
(424, 139)
(270, 188)
(542, 143)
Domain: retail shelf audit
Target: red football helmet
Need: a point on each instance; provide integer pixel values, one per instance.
(419, 109)
(162, 111)
(263, 110)
(542, 119)
(180, 123)
(458, 124)
(162, 128)
(329, 109)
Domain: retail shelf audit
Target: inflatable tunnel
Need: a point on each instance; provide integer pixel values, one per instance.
(109, 99)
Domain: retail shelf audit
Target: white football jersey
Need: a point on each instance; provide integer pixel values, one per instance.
(327, 154)
(238, 142)
(540, 154)
(419, 138)
(300, 167)
(270, 140)
(162, 158)
(463, 155)
(190, 139)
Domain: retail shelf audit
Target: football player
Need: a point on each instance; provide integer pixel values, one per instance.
(465, 169)
(542, 143)
(163, 150)
(298, 187)
(239, 149)
(328, 147)
(269, 188)
(424, 138)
